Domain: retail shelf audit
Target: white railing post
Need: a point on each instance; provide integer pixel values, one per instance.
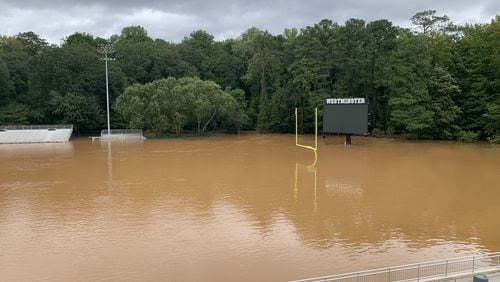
(418, 272)
(389, 275)
(473, 262)
(446, 274)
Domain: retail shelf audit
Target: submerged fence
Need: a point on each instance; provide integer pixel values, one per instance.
(122, 134)
(426, 271)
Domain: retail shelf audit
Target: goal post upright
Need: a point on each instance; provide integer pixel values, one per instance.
(315, 148)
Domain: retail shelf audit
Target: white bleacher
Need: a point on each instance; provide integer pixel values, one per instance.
(35, 134)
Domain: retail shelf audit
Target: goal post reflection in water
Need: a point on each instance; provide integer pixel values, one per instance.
(310, 169)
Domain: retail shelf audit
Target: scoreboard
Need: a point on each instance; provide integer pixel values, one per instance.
(345, 116)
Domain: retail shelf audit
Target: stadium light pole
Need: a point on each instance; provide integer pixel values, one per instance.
(106, 49)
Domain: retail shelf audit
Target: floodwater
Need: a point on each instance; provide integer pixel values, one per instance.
(241, 208)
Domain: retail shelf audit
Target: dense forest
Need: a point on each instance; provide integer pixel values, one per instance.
(435, 80)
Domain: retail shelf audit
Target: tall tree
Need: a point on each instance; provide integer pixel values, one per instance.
(79, 38)
(428, 22)
(31, 42)
(421, 92)
(84, 112)
(135, 54)
(381, 41)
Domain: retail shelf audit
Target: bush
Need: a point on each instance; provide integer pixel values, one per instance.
(467, 136)
(411, 136)
(377, 132)
(391, 131)
(494, 139)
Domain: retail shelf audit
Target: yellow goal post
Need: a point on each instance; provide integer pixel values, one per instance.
(315, 148)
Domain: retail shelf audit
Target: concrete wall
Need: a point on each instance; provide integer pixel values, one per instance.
(35, 135)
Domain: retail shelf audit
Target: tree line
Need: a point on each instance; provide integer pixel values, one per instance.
(435, 80)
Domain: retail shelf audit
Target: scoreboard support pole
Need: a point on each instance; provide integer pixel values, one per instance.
(348, 139)
(315, 148)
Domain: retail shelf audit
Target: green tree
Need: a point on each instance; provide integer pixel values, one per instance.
(167, 61)
(428, 22)
(263, 74)
(140, 107)
(196, 49)
(492, 115)
(222, 66)
(31, 42)
(14, 113)
(381, 42)
(235, 115)
(83, 112)
(352, 59)
(492, 126)
(136, 60)
(167, 104)
(135, 33)
(173, 104)
(312, 73)
(421, 92)
(78, 38)
(206, 100)
(477, 68)
(14, 67)
(5, 83)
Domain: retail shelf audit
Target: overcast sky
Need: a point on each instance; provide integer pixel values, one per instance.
(171, 20)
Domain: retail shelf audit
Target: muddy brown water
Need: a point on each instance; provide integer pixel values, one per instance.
(241, 208)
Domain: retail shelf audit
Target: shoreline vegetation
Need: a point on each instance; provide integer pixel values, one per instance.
(212, 134)
(435, 80)
(183, 136)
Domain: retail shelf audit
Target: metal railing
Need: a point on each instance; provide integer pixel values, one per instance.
(22, 127)
(138, 132)
(426, 271)
(122, 134)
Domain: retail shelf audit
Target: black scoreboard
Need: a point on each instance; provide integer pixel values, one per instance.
(345, 116)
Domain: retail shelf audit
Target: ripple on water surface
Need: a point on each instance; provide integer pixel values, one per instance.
(241, 208)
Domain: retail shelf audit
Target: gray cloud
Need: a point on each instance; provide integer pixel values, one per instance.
(172, 20)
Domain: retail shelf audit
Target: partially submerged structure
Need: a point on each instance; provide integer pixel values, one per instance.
(15, 134)
(120, 134)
